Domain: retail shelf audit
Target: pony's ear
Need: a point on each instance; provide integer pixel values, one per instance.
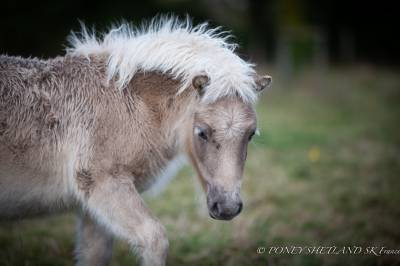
(262, 82)
(199, 82)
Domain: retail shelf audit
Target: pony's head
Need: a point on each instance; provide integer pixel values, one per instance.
(224, 120)
(217, 147)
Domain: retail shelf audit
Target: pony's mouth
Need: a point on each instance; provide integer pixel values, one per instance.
(217, 214)
(222, 217)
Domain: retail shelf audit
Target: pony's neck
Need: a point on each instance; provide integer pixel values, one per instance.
(169, 110)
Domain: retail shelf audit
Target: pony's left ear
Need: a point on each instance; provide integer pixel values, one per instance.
(262, 82)
(199, 82)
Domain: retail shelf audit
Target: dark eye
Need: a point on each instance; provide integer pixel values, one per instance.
(251, 135)
(201, 133)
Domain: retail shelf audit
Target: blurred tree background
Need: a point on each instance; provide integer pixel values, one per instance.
(338, 31)
(325, 169)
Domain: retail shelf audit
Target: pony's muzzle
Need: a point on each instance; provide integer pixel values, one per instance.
(223, 207)
(221, 211)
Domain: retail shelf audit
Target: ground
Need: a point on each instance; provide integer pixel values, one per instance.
(323, 172)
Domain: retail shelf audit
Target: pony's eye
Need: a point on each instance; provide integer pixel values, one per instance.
(201, 133)
(251, 135)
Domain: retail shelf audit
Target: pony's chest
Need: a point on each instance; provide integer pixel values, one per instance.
(166, 175)
(153, 164)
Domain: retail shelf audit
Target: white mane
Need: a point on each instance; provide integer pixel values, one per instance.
(172, 47)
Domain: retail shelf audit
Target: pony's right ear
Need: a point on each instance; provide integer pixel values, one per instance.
(199, 82)
(262, 82)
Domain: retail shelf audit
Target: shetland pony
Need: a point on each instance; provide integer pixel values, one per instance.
(93, 129)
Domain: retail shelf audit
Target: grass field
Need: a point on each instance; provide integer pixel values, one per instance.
(324, 172)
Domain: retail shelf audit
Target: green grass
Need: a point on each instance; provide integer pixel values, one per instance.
(324, 171)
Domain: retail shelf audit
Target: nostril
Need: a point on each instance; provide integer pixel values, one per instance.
(240, 207)
(214, 208)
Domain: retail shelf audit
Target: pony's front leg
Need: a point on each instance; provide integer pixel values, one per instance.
(115, 202)
(94, 243)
